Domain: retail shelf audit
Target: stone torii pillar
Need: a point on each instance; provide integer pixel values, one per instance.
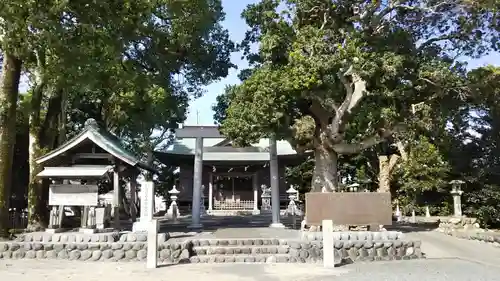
(275, 183)
(197, 181)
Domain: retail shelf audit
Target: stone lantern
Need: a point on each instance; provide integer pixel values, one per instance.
(292, 195)
(456, 192)
(353, 187)
(173, 210)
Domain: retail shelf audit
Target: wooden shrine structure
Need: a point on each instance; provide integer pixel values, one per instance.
(232, 179)
(77, 167)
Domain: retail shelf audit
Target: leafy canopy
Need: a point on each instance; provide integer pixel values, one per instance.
(342, 74)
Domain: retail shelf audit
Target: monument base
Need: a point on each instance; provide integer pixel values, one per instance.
(87, 230)
(54, 230)
(195, 226)
(277, 225)
(141, 226)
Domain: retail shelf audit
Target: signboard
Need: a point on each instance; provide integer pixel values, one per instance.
(73, 195)
(349, 208)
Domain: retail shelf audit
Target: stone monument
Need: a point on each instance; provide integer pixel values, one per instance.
(147, 207)
(456, 192)
(266, 199)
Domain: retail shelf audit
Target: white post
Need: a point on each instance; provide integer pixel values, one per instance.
(427, 212)
(255, 192)
(328, 244)
(152, 252)
(210, 192)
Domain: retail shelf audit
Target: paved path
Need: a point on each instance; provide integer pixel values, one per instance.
(439, 245)
(416, 270)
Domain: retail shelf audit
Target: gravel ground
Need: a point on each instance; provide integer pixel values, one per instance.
(417, 270)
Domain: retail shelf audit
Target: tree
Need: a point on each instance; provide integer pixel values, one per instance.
(102, 55)
(340, 77)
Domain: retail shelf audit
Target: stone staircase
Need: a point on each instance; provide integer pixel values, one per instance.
(253, 251)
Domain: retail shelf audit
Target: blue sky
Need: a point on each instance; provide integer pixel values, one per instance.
(200, 110)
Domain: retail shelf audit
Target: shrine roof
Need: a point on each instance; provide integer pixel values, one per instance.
(86, 171)
(186, 146)
(102, 138)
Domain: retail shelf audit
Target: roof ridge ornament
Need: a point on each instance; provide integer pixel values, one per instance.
(91, 123)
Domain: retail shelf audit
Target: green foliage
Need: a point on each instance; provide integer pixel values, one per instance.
(342, 76)
(425, 169)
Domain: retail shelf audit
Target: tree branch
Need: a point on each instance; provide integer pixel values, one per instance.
(402, 151)
(320, 112)
(355, 91)
(354, 148)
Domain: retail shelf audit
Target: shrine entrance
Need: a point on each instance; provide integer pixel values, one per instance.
(233, 187)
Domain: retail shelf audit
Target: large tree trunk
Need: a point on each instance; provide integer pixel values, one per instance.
(43, 138)
(384, 176)
(35, 150)
(9, 94)
(325, 177)
(387, 163)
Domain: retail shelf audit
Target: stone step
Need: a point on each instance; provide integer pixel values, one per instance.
(239, 242)
(237, 249)
(260, 258)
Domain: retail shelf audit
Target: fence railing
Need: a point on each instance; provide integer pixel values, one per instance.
(18, 218)
(233, 205)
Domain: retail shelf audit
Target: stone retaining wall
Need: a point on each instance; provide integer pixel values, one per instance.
(258, 250)
(75, 237)
(355, 235)
(487, 237)
(195, 251)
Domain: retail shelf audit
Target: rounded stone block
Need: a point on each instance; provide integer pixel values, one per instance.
(142, 255)
(40, 254)
(58, 247)
(164, 254)
(137, 246)
(31, 254)
(127, 246)
(18, 254)
(37, 246)
(51, 254)
(107, 254)
(130, 254)
(4, 247)
(141, 237)
(85, 255)
(63, 255)
(75, 255)
(118, 254)
(131, 237)
(14, 247)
